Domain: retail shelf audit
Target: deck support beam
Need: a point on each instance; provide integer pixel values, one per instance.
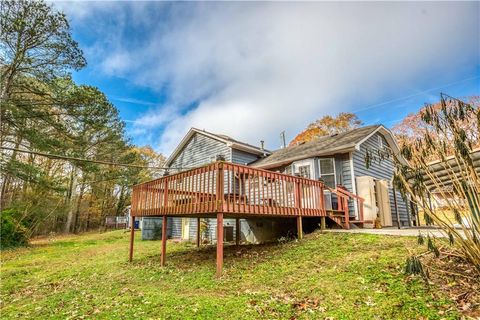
(219, 244)
(132, 237)
(198, 232)
(299, 228)
(237, 231)
(164, 241)
(322, 223)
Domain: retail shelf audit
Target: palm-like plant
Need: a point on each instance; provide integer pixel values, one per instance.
(452, 137)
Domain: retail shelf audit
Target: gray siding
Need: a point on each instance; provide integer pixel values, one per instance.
(242, 157)
(343, 172)
(200, 150)
(149, 225)
(379, 169)
(344, 176)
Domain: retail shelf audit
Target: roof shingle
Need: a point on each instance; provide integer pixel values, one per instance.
(327, 145)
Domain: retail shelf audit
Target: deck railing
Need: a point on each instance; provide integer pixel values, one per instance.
(233, 189)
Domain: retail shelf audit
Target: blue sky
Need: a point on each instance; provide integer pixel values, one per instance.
(252, 70)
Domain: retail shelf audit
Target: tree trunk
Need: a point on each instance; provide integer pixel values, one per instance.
(90, 202)
(121, 201)
(79, 204)
(73, 187)
(8, 178)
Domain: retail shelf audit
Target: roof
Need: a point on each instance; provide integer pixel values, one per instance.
(444, 171)
(323, 146)
(232, 143)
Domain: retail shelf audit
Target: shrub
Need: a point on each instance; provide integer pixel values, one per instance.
(12, 233)
(452, 137)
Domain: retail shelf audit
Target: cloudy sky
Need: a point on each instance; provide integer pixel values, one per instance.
(252, 70)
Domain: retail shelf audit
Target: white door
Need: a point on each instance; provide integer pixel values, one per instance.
(304, 169)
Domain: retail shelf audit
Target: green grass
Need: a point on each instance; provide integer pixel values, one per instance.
(342, 276)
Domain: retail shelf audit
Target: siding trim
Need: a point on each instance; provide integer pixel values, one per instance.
(354, 183)
(388, 136)
(231, 144)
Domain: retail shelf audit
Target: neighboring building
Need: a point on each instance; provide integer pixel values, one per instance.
(339, 160)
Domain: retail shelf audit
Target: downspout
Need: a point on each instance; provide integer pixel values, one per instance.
(396, 205)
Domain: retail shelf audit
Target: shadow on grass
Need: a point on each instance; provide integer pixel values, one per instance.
(189, 254)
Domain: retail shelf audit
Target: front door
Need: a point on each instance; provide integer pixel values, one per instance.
(185, 228)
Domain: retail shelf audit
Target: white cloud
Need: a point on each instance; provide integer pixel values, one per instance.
(117, 63)
(255, 69)
(157, 117)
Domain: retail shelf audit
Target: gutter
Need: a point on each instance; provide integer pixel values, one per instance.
(290, 160)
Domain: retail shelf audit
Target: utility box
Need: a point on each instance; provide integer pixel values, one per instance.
(228, 233)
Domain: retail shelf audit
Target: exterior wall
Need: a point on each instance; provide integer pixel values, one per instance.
(200, 150)
(343, 173)
(149, 224)
(344, 177)
(242, 157)
(380, 169)
(253, 230)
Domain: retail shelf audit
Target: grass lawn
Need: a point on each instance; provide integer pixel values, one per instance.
(334, 276)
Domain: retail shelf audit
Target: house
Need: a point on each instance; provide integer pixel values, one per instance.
(338, 160)
(198, 148)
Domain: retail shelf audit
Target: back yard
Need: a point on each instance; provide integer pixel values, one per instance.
(341, 276)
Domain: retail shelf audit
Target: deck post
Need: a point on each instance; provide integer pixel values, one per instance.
(237, 231)
(299, 228)
(322, 223)
(346, 212)
(198, 232)
(132, 237)
(219, 244)
(164, 240)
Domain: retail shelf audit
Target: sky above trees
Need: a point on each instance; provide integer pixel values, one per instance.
(252, 70)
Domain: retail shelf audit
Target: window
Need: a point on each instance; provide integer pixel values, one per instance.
(304, 171)
(288, 170)
(327, 172)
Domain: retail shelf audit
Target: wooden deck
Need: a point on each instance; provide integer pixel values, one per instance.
(237, 190)
(225, 189)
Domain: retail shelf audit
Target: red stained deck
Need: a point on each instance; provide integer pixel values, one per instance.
(225, 189)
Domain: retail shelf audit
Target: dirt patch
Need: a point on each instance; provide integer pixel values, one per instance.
(456, 277)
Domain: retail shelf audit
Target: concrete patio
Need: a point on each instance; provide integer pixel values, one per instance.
(393, 231)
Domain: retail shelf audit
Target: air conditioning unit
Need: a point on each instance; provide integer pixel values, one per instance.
(327, 199)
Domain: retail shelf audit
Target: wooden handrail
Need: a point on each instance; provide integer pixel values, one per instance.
(234, 189)
(358, 199)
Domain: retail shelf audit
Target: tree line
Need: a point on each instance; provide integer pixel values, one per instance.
(44, 111)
